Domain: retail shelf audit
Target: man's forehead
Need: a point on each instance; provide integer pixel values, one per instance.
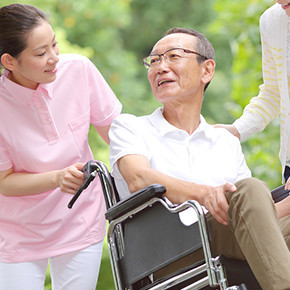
(173, 40)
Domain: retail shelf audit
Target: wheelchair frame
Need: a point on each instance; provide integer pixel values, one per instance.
(120, 211)
(216, 276)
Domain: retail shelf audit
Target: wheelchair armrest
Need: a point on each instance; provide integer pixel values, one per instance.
(134, 200)
(279, 193)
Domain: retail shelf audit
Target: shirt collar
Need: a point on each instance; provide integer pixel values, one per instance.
(22, 94)
(163, 127)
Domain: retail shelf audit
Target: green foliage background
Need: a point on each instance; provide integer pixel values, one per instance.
(117, 34)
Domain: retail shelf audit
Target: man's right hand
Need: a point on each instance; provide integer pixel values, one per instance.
(216, 203)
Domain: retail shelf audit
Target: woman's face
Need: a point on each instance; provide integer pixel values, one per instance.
(37, 63)
(285, 5)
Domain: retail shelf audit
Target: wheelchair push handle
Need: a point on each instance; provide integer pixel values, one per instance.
(90, 172)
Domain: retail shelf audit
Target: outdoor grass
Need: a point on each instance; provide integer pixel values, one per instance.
(106, 280)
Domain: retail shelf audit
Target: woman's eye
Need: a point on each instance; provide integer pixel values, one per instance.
(41, 54)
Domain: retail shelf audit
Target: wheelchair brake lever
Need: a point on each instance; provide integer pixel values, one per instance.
(90, 173)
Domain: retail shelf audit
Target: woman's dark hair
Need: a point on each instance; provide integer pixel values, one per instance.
(203, 45)
(16, 21)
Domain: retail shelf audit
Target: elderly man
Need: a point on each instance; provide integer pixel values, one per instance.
(175, 147)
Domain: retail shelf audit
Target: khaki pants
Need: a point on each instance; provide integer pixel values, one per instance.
(254, 234)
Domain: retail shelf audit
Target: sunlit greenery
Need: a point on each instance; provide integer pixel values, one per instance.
(117, 34)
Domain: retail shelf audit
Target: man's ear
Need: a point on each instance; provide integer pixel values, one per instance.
(208, 70)
(8, 61)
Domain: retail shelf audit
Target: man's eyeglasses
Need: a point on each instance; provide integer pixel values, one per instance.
(171, 56)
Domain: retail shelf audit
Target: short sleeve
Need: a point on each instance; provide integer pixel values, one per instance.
(103, 102)
(126, 135)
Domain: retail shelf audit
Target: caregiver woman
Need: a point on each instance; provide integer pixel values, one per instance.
(274, 95)
(47, 103)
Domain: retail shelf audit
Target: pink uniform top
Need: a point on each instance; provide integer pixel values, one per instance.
(43, 130)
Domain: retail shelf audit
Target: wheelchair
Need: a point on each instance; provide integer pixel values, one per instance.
(145, 235)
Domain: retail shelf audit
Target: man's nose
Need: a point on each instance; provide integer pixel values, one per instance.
(162, 63)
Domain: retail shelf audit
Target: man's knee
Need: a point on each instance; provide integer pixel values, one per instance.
(250, 190)
(252, 198)
(252, 183)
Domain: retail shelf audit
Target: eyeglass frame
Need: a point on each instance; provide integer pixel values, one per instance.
(147, 66)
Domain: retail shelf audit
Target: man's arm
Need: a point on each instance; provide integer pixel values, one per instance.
(138, 173)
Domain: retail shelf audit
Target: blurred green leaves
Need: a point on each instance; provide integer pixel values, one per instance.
(117, 34)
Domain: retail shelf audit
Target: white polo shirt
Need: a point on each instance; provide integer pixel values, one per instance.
(210, 156)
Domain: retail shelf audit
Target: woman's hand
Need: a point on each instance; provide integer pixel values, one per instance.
(68, 180)
(71, 178)
(231, 128)
(287, 185)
